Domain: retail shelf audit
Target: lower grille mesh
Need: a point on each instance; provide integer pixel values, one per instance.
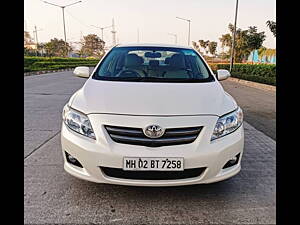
(152, 175)
(135, 136)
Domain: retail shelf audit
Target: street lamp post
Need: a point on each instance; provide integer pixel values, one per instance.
(189, 21)
(175, 35)
(234, 33)
(36, 39)
(63, 13)
(102, 28)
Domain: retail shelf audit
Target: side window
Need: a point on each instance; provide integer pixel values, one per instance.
(104, 68)
(202, 69)
(112, 64)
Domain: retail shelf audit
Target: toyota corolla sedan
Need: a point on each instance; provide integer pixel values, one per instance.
(152, 115)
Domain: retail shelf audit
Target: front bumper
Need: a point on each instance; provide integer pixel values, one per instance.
(105, 152)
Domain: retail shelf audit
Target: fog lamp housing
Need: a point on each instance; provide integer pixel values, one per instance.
(72, 160)
(232, 162)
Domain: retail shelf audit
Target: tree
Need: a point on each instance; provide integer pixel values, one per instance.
(57, 47)
(204, 45)
(212, 47)
(246, 41)
(224, 55)
(208, 46)
(254, 39)
(272, 26)
(28, 45)
(27, 38)
(268, 52)
(41, 47)
(196, 46)
(29, 52)
(92, 45)
(226, 40)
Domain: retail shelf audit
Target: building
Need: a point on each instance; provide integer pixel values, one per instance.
(30, 45)
(265, 56)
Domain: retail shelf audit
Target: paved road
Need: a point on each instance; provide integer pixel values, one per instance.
(53, 196)
(259, 106)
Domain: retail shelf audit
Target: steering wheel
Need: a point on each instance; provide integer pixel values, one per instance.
(129, 73)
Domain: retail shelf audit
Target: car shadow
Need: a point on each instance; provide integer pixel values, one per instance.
(225, 188)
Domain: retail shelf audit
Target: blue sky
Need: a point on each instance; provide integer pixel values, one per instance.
(154, 19)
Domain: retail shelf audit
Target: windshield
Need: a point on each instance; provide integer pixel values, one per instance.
(153, 64)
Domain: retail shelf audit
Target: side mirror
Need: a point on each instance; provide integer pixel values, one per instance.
(223, 74)
(82, 71)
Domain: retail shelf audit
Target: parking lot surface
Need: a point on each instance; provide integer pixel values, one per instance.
(51, 196)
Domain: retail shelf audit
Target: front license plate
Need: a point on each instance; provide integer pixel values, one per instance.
(159, 164)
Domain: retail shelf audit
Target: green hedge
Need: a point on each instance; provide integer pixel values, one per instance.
(54, 63)
(261, 73)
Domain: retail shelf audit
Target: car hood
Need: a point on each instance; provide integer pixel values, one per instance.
(145, 98)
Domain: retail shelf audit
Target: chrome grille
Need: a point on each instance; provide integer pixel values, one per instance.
(135, 136)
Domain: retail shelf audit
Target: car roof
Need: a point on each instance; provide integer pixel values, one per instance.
(152, 45)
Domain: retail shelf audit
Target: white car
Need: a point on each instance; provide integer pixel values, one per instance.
(152, 115)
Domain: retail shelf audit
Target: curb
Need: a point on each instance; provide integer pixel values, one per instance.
(253, 84)
(46, 71)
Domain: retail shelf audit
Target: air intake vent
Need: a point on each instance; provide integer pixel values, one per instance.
(152, 175)
(135, 136)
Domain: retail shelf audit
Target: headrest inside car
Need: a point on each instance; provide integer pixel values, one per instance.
(177, 61)
(153, 63)
(132, 60)
(152, 54)
(167, 60)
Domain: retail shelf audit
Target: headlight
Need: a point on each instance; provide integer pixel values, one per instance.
(78, 122)
(228, 124)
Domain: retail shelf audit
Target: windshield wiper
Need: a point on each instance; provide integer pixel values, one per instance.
(155, 79)
(139, 79)
(162, 79)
